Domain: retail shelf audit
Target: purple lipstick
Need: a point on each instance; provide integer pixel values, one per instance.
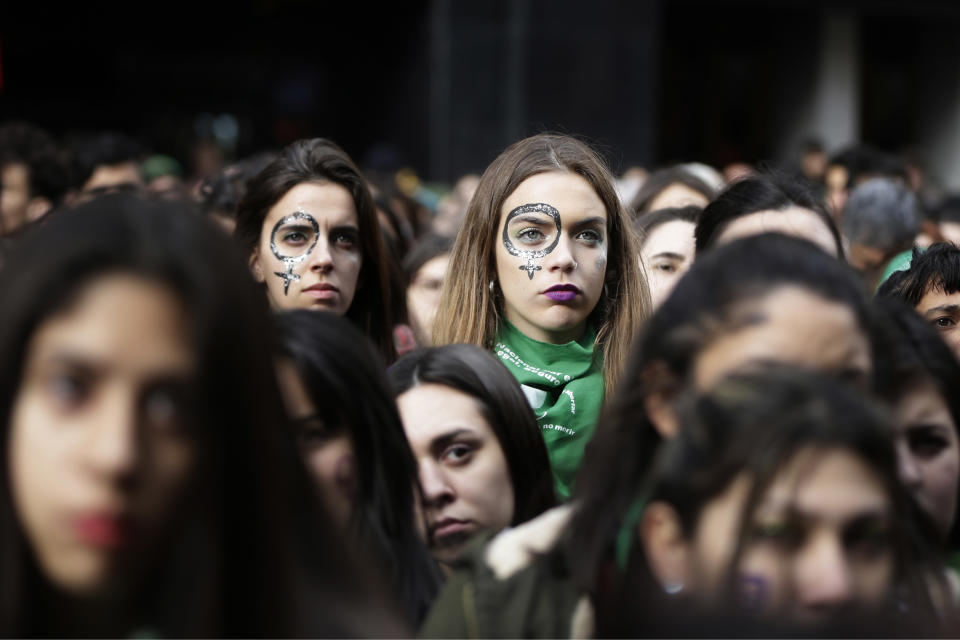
(562, 292)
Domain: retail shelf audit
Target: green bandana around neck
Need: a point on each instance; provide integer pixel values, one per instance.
(564, 385)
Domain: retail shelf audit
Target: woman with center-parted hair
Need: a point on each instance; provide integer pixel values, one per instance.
(544, 272)
(482, 463)
(147, 486)
(309, 227)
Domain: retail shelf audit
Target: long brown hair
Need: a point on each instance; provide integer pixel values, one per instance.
(469, 311)
(320, 160)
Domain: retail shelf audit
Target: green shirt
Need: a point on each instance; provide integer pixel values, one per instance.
(564, 385)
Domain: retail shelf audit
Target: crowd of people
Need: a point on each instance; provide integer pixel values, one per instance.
(292, 397)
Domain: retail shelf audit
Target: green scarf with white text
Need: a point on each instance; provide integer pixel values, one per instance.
(564, 385)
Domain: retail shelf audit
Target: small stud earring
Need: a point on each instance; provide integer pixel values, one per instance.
(493, 288)
(673, 588)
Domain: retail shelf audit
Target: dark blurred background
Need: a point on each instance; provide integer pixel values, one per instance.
(443, 86)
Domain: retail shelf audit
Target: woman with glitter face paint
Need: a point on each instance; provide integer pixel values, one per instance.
(544, 272)
(309, 226)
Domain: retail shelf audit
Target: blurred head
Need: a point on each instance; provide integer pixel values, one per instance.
(666, 247)
(34, 175)
(780, 496)
(880, 220)
(483, 464)
(757, 300)
(760, 204)
(309, 225)
(426, 268)
(105, 432)
(347, 429)
(107, 162)
(545, 244)
(672, 187)
(919, 376)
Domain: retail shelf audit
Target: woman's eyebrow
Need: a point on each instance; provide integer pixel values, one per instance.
(533, 219)
(944, 308)
(441, 441)
(667, 254)
(589, 222)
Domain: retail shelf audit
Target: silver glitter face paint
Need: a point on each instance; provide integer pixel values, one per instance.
(530, 256)
(289, 261)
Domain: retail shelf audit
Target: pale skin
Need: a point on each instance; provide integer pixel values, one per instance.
(942, 310)
(463, 470)
(792, 221)
(100, 444)
(327, 277)
(423, 296)
(666, 255)
(576, 262)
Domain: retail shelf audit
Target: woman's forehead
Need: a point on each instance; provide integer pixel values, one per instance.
(569, 193)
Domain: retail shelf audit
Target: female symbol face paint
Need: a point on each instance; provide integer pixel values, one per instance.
(530, 237)
(553, 226)
(310, 255)
(292, 240)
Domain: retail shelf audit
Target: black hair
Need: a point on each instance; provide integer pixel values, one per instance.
(937, 268)
(426, 249)
(756, 424)
(320, 160)
(663, 357)
(345, 380)
(758, 193)
(102, 149)
(476, 372)
(647, 222)
(221, 193)
(660, 179)
(864, 161)
(249, 546)
(912, 352)
(46, 162)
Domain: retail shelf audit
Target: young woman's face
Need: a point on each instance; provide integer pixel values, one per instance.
(329, 454)
(819, 541)
(793, 221)
(666, 255)
(310, 253)
(551, 255)
(793, 326)
(463, 470)
(100, 435)
(423, 295)
(928, 452)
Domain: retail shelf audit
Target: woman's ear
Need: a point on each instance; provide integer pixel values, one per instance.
(255, 267)
(658, 385)
(665, 546)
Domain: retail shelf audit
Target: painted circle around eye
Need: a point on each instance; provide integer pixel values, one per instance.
(539, 207)
(293, 217)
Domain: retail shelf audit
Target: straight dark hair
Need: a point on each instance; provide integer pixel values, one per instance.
(251, 548)
(911, 352)
(756, 424)
(479, 374)
(662, 359)
(319, 160)
(344, 377)
(770, 192)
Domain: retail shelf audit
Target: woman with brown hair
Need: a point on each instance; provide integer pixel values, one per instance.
(545, 273)
(309, 226)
